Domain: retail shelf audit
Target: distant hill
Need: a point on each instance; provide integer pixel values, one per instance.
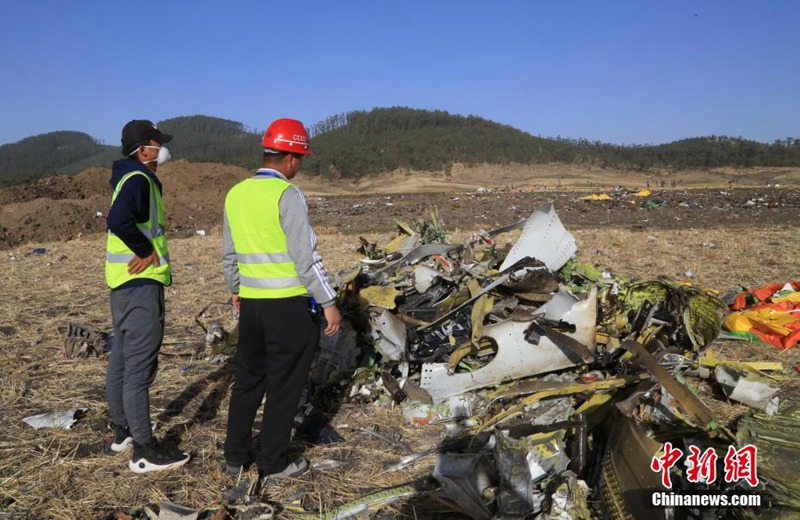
(364, 143)
(211, 139)
(197, 138)
(50, 154)
(703, 152)
(386, 139)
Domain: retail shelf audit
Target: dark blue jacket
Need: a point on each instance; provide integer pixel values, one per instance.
(132, 205)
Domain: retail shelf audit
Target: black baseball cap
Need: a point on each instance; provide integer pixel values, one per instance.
(139, 132)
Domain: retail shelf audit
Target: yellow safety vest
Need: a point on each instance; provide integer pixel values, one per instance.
(266, 270)
(118, 254)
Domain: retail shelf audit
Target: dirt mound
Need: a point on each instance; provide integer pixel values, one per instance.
(64, 207)
(90, 182)
(48, 219)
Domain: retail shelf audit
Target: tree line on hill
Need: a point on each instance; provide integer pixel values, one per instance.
(211, 139)
(359, 143)
(385, 139)
(51, 154)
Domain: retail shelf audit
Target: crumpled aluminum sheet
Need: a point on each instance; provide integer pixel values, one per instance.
(61, 419)
(516, 358)
(545, 238)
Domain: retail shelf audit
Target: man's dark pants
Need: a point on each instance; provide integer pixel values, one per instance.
(277, 340)
(138, 317)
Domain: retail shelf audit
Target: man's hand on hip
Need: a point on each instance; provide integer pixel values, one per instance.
(334, 320)
(138, 264)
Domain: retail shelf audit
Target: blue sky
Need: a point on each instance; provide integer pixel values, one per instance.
(625, 72)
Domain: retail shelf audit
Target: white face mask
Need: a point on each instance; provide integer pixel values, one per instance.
(163, 154)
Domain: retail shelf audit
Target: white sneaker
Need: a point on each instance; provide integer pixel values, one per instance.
(295, 468)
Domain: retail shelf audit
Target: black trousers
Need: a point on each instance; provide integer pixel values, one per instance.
(277, 340)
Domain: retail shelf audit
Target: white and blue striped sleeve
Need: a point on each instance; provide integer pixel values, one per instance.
(302, 244)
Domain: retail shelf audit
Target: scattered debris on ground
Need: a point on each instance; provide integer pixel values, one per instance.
(531, 385)
(559, 386)
(80, 342)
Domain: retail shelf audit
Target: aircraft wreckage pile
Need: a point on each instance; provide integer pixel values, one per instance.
(559, 385)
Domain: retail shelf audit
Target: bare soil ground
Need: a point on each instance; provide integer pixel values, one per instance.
(719, 237)
(62, 207)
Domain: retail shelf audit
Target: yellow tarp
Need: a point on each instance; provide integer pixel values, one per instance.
(600, 196)
(765, 319)
(775, 317)
(790, 297)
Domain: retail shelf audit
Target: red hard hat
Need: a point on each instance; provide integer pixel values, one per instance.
(287, 135)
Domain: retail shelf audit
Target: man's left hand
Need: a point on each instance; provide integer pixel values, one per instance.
(334, 320)
(138, 264)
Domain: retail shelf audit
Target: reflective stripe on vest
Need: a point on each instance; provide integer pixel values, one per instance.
(124, 258)
(118, 254)
(266, 269)
(263, 258)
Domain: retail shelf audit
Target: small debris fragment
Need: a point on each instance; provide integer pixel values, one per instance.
(63, 419)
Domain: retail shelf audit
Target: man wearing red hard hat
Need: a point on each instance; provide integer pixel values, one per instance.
(281, 291)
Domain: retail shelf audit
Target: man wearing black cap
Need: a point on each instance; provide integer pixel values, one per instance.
(137, 270)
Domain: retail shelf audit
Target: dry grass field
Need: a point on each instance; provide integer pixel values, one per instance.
(56, 473)
(63, 474)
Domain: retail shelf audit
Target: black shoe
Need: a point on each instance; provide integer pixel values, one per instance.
(154, 457)
(120, 441)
